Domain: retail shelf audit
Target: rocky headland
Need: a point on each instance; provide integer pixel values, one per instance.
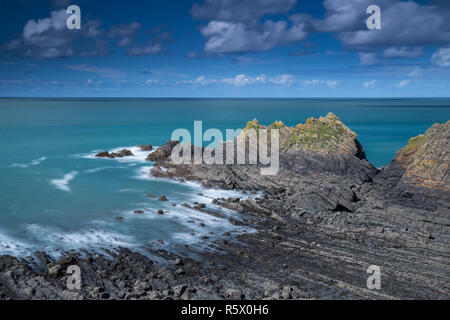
(322, 220)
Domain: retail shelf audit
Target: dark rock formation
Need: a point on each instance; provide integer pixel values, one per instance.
(424, 162)
(162, 152)
(144, 147)
(122, 153)
(313, 176)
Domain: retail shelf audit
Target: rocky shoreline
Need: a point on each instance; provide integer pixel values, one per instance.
(322, 220)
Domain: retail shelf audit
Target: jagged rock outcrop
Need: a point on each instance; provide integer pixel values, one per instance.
(322, 167)
(162, 152)
(413, 190)
(424, 162)
(144, 147)
(325, 135)
(122, 153)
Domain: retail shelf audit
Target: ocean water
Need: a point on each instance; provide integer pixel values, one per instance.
(54, 195)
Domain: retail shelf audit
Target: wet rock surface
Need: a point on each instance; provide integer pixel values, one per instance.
(321, 222)
(120, 154)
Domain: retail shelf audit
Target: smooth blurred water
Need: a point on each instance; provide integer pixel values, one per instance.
(55, 195)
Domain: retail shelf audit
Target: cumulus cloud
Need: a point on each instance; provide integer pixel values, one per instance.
(403, 23)
(282, 79)
(315, 82)
(406, 27)
(241, 80)
(403, 83)
(45, 38)
(49, 38)
(369, 84)
(234, 37)
(201, 81)
(152, 82)
(238, 26)
(441, 57)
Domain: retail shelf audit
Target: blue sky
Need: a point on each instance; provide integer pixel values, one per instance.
(225, 48)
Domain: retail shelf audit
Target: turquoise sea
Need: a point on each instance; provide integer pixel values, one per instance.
(54, 195)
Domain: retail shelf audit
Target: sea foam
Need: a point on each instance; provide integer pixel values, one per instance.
(63, 184)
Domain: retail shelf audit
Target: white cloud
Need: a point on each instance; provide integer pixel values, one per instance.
(282, 79)
(403, 83)
(151, 82)
(328, 83)
(201, 80)
(416, 72)
(242, 80)
(233, 37)
(370, 84)
(403, 23)
(441, 57)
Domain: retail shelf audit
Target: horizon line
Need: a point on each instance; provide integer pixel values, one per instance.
(181, 97)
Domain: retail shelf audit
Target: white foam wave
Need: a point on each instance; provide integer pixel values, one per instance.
(63, 184)
(19, 165)
(143, 173)
(138, 155)
(12, 246)
(32, 163)
(92, 239)
(38, 161)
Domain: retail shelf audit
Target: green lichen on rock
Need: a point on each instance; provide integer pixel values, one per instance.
(277, 125)
(254, 124)
(324, 134)
(425, 160)
(414, 142)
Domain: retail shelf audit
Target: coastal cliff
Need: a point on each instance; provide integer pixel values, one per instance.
(321, 221)
(424, 161)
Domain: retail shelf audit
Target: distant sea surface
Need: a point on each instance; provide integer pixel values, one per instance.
(54, 195)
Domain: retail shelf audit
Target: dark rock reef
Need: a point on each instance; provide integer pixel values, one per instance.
(322, 220)
(144, 147)
(122, 153)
